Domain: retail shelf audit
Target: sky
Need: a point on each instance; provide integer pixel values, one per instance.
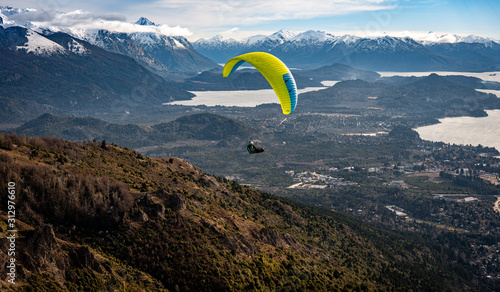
(239, 19)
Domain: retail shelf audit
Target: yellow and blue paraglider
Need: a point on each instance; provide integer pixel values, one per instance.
(276, 73)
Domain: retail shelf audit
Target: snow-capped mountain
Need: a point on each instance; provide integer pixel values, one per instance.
(148, 45)
(220, 50)
(278, 38)
(313, 49)
(432, 38)
(62, 72)
(164, 54)
(23, 39)
(158, 51)
(313, 36)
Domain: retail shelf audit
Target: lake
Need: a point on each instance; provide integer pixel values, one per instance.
(466, 130)
(243, 98)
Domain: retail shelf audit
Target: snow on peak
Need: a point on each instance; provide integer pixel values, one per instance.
(150, 39)
(348, 39)
(283, 34)
(77, 48)
(476, 39)
(313, 36)
(255, 39)
(40, 45)
(177, 45)
(433, 38)
(145, 21)
(146, 38)
(218, 39)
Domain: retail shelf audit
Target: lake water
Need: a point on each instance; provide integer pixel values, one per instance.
(243, 98)
(466, 130)
(463, 130)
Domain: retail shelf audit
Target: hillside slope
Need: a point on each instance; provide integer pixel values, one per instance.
(103, 215)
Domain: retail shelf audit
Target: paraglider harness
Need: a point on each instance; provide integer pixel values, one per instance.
(252, 149)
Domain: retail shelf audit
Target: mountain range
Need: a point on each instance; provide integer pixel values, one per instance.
(173, 56)
(313, 49)
(164, 55)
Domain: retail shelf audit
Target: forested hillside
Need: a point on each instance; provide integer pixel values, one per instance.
(102, 216)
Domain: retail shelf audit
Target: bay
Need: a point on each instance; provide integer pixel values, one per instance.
(465, 130)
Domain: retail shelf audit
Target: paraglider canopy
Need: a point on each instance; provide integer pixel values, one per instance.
(276, 73)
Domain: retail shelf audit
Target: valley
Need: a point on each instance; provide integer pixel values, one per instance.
(123, 153)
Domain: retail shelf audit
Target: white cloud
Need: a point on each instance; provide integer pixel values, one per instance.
(239, 12)
(83, 20)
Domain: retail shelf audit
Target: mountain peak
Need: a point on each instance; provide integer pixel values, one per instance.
(145, 21)
(313, 35)
(283, 34)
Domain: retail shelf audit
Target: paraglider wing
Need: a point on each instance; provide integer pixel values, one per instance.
(276, 73)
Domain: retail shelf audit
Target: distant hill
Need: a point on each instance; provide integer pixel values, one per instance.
(240, 80)
(339, 72)
(81, 129)
(203, 127)
(67, 73)
(467, 81)
(97, 216)
(14, 110)
(196, 127)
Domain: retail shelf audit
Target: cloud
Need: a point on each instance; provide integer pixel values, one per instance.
(240, 12)
(83, 20)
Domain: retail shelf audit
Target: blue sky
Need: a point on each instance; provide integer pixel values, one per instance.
(239, 18)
